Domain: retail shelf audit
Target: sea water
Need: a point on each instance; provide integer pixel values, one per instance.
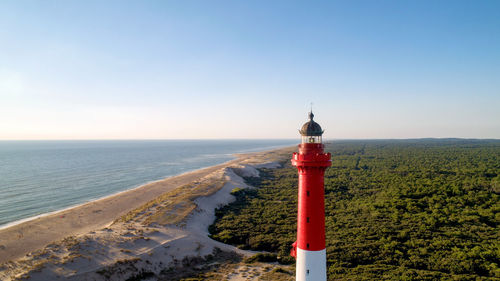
(38, 177)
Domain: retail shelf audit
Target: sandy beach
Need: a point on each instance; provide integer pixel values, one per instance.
(169, 217)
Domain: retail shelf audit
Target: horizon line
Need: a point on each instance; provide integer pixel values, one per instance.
(298, 138)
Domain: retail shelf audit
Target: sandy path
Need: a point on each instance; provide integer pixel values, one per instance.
(19, 240)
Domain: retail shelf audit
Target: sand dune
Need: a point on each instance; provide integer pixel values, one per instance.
(159, 225)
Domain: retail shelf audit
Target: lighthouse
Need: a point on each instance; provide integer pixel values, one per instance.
(311, 162)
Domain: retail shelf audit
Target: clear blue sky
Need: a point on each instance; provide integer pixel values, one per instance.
(248, 69)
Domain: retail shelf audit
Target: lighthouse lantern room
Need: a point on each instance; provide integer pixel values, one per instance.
(311, 131)
(311, 163)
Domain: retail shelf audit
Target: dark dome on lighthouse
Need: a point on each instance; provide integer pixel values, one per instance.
(311, 128)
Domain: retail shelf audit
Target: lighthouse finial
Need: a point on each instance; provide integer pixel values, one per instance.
(311, 115)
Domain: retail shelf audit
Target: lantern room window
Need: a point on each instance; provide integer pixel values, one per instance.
(311, 139)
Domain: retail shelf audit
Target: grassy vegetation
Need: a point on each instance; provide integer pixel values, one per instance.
(244, 271)
(173, 207)
(210, 267)
(401, 210)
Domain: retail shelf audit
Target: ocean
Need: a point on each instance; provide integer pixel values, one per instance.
(39, 177)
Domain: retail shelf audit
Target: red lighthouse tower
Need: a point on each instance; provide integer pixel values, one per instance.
(311, 162)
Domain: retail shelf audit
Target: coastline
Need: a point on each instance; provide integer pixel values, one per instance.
(62, 175)
(235, 155)
(17, 222)
(24, 237)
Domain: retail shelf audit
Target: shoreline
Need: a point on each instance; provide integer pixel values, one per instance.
(17, 222)
(55, 212)
(28, 219)
(24, 237)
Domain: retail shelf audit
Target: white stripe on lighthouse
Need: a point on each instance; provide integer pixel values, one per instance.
(311, 265)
